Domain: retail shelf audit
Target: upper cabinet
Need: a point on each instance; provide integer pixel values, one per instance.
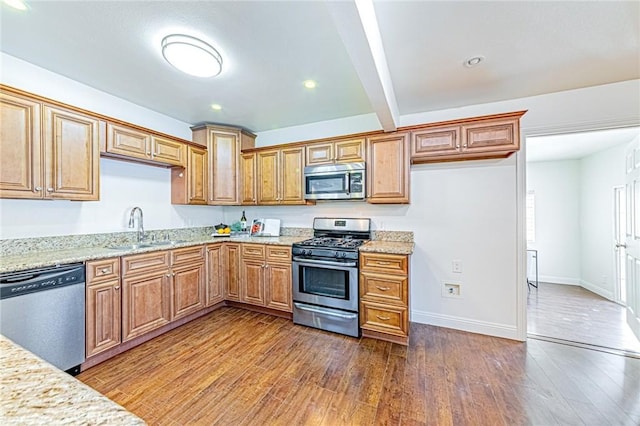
(189, 185)
(224, 145)
(48, 152)
(388, 169)
(341, 151)
(127, 142)
(279, 176)
(492, 136)
(248, 190)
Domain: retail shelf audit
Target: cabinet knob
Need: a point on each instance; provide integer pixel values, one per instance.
(149, 153)
(104, 270)
(464, 146)
(37, 189)
(117, 287)
(457, 146)
(168, 275)
(50, 189)
(173, 274)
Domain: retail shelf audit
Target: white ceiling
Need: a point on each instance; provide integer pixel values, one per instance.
(269, 48)
(577, 145)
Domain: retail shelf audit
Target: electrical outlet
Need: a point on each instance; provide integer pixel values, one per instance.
(451, 289)
(456, 266)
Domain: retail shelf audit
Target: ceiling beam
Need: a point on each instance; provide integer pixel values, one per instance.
(358, 28)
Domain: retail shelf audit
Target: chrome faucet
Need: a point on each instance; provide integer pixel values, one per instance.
(132, 216)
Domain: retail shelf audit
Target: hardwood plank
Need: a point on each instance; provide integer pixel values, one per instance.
(236, 367)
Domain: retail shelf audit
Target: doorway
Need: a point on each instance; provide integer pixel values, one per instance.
(577, 183)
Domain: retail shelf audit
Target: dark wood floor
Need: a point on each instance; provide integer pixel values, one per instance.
(573, 313)
(235, 367)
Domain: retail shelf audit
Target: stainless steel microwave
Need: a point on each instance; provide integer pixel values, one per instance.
(335, 182)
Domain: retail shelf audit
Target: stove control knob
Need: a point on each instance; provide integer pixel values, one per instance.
(344, 254)
(308, 252)
(336, 254)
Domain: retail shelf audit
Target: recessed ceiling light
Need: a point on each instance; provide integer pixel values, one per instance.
(216, 107)
(191, 55)
(16, 4)
(472, 62)
(309, 84)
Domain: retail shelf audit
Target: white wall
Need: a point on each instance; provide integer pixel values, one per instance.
(600, 173)
(557, 196)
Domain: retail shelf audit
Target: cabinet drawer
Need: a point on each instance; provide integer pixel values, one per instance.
(187, 254)
(386, 263)
(101, 270)
(278, 254)
(144, 262)
(253, 250)
(384, 318)
(384, 288)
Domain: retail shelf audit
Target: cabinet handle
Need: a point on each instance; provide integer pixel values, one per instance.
(380, 262)
(383, 318)
(383, 288)
(50, 189)
(37, 189)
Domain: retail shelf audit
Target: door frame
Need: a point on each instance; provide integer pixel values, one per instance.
(617, 290)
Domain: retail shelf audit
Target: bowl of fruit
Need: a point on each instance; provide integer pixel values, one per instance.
(221, 230)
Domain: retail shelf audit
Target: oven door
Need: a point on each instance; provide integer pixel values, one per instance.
(326, 283)
(333, 185)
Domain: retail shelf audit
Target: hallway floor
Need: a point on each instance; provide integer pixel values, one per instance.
(573, 313)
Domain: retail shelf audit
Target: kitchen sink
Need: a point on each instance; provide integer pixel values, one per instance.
(165, 242)
(129, 246)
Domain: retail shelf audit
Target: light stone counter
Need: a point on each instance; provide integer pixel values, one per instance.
(33, 392)
(390, 247)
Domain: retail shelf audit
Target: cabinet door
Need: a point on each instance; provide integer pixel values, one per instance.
(231, 271)
(388, 169)
(168, 151)
(103, 316)
(321, 153)
(188, 289)
(268, 181)
(252, 282)
(126, 141)
(278, 286)
(215, 271)
(349, 150)
(72, 155)
(248, 179)
(224, 155)
(491, 136)
(20, 148)
(197, 176)
(146, 303)
(435, 144)
(291, 165)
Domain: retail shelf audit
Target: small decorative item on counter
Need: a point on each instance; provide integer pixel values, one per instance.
(236, 227)
(222, 229)
(243, 222)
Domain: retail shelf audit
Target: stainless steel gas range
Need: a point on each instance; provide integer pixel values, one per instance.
(325, 275)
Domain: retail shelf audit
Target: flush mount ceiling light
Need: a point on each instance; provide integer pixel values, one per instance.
(309, 84)
(16, 4)
(191, 55)
(472, 62)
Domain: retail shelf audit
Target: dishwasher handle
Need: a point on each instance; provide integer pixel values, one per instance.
(26, 282)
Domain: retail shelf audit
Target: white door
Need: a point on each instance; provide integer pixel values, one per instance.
(620, 237)
(632, 189)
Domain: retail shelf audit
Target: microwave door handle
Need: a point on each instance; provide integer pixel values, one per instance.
(348, 176)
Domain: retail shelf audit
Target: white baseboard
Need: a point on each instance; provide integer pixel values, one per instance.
(466, 324)
(607, 294)
(559, 280)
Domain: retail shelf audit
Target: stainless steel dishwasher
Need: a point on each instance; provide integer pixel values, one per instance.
(42, 310)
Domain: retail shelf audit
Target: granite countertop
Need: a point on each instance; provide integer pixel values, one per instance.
(36, 393)
(41, 259)
(391, 247)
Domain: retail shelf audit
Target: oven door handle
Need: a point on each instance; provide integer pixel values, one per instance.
(324, 262)
(331, 313)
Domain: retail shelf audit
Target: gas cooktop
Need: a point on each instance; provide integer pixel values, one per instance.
(333, 242)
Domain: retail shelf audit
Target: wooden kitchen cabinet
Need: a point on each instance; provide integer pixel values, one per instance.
(280, 176)
(224, 145)
(63, 165)
(341, 151)
(189, 185)
(388, 169)
(146, 302)
(384, 296)
(188, 279)
(266, 276)
(231, 271)
(215, 274)
(103, 305)
(128, 142)
(248, 191)
(493, 136)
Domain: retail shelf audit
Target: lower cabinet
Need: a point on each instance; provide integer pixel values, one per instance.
(231, 271)
(214, 292)
(102, 305)
(384, 296)
(188, 282)
(265, 278)
(146, 302)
